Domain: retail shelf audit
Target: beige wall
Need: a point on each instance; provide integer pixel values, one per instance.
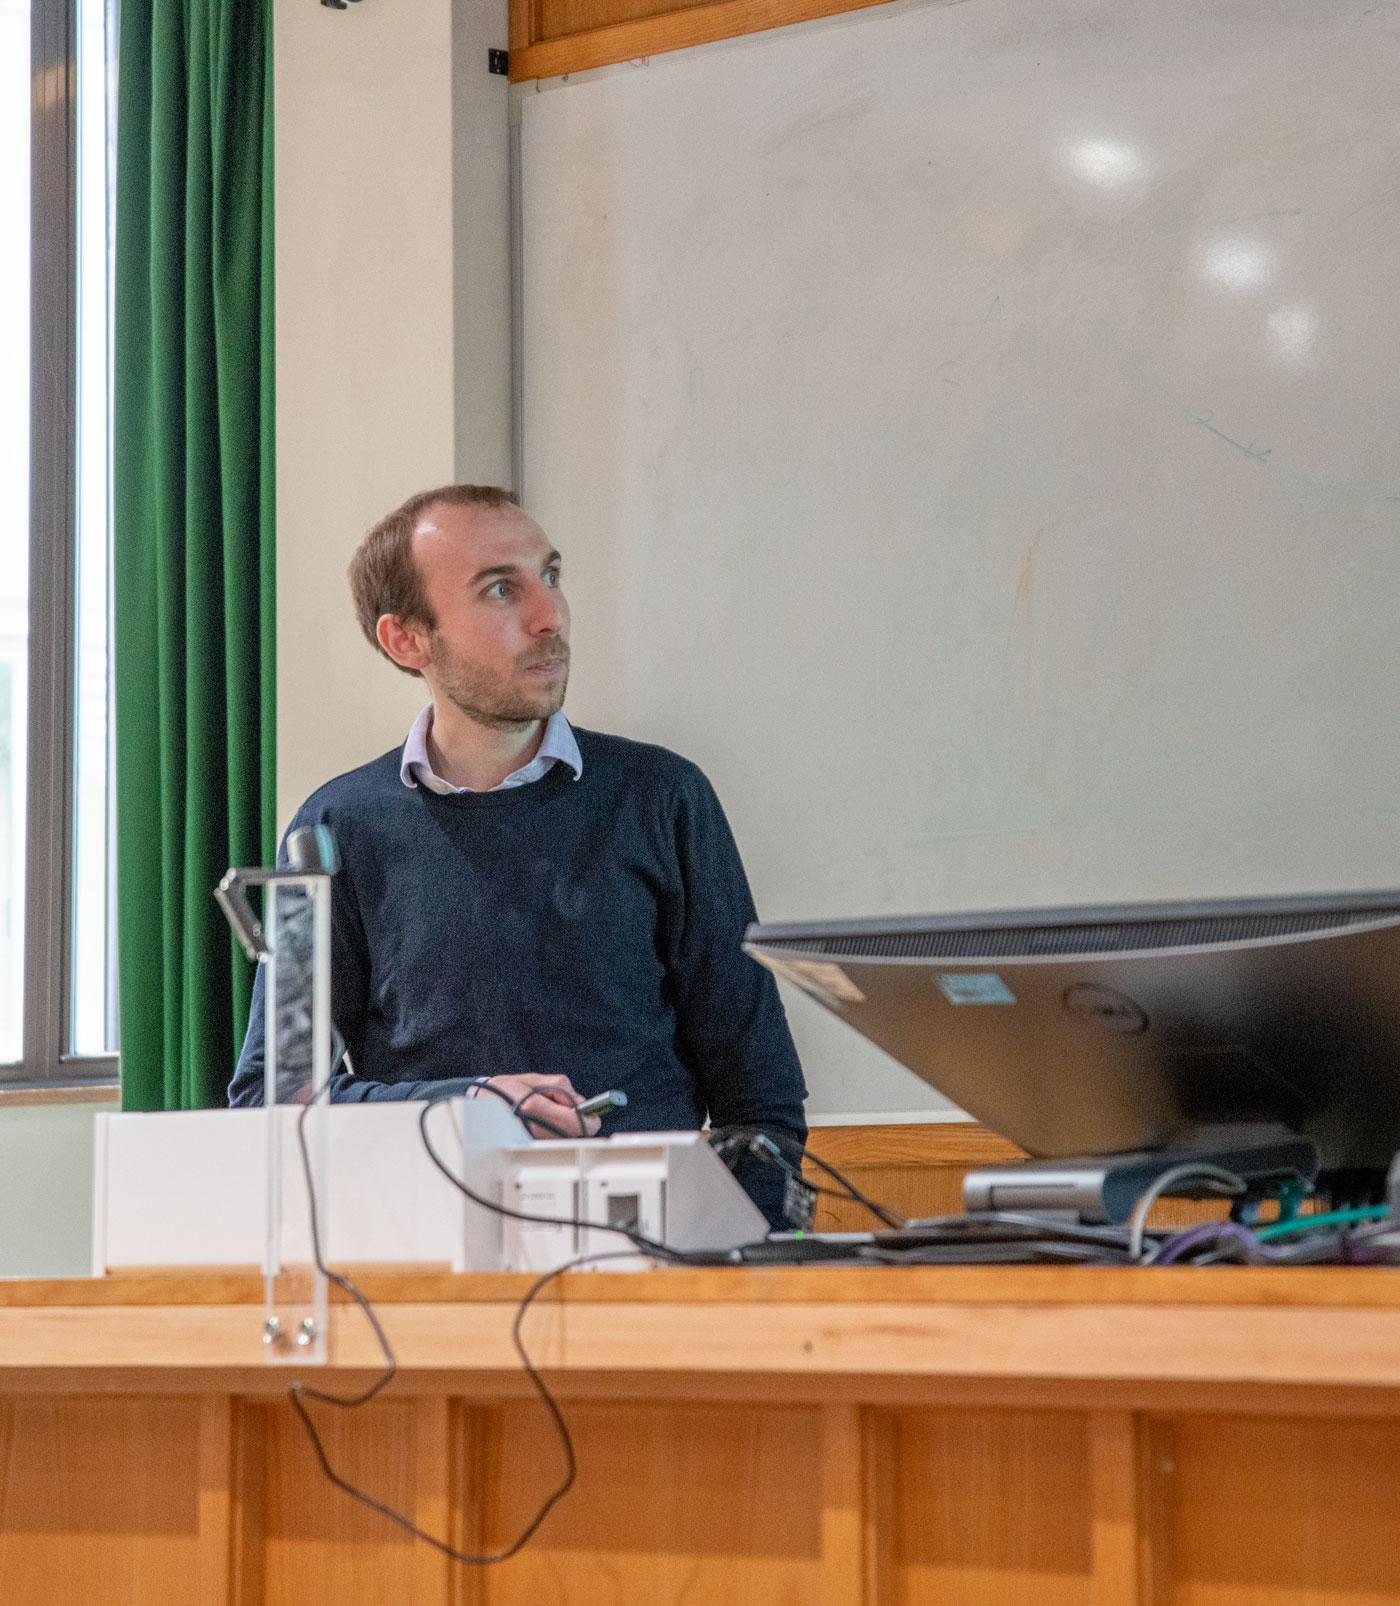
(393, 357)
(46, 1189)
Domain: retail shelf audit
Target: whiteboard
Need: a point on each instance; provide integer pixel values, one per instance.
(973, 432)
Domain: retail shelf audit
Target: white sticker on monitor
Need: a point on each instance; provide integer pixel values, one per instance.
(974, 987)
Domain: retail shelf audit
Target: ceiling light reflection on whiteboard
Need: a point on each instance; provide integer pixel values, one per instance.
(1292, 331)
(1108, 164)
(1238, 264)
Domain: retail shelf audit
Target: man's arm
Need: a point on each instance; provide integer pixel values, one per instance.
(732, 1032)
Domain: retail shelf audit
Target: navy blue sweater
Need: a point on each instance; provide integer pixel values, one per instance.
(587, 927)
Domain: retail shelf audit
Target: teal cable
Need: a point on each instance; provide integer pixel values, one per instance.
(1333, 1218)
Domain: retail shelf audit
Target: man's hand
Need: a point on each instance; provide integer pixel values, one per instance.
(552, 1098)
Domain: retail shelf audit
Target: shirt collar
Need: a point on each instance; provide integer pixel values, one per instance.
(559, 745)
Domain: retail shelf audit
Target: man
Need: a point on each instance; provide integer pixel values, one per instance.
(552, 908)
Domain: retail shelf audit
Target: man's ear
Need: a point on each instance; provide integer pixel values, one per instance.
(403, 640)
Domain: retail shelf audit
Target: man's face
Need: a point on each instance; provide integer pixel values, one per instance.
(500, 649)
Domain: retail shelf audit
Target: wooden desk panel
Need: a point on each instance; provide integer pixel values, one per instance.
(988, 1436)
(990, 1499)
(1281, 1513)
(677, 1502)
(106, 1499)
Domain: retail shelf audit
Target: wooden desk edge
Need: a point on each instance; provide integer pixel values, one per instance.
(712, 1347)
(1312, 1287)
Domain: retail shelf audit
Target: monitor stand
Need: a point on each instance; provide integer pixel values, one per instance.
(1095, 1188)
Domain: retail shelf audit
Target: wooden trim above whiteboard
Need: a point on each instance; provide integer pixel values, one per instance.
(551, 37)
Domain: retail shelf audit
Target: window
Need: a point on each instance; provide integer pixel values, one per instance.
(57, 977)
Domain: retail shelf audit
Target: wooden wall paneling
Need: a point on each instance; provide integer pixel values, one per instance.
(106, 1500)
(993, 1508)
(216, 1496)
(918, 1170)
(880, 1478)
(951, 1143)
(434, 1508)
(567, 19)
(523, 25)
(1156, 1442)
(475, 1444)
(843, 1514)
(247, 1531)
(915, 1170)
(706, 1505)
(322, 1545)
(1118, 1510)
(1284, 1512)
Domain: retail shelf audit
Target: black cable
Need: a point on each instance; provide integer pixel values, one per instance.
(886, 1217)
(724, 1146)
(1005, 1224)
(294, 1036)
(299, 1392)
(994, 1251)
(880, 1213)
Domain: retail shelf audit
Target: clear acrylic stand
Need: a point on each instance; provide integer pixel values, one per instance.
(292, 943)
(297, 1057)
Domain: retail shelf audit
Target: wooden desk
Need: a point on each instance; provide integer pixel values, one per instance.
(1207, 1437)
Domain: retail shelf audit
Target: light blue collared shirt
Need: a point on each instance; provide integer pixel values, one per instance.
(558, 746)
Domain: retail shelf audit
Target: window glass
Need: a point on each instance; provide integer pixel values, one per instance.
(92, 1002)
(14, 506)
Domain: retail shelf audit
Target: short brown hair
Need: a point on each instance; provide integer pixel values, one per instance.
(383, 576)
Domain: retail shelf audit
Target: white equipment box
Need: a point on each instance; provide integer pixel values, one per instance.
(190, 1188)
(670, 1186)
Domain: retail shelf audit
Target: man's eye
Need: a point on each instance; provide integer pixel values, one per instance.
(551, 577)
(500, 589)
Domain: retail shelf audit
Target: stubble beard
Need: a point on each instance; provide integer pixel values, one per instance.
(489, 699)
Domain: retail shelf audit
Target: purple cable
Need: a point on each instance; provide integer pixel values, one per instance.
(1184, 1242)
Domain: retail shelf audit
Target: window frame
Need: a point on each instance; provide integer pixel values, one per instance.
(50, 819)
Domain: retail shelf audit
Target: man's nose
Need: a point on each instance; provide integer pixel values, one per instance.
(548, 612)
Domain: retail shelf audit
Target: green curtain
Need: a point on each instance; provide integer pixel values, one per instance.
(193, 619)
